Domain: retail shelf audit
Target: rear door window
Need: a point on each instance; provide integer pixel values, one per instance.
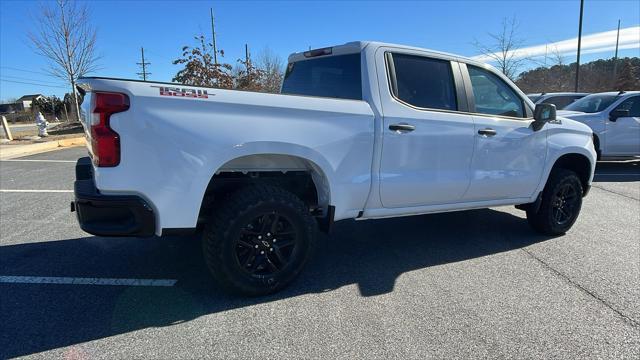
(424, 82)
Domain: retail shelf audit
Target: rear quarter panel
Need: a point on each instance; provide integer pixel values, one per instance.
(172, 146)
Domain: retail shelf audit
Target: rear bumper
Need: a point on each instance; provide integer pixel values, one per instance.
(109, 215)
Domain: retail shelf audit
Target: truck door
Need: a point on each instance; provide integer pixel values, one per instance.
(427, 139)
(623, 129)
(509, 155)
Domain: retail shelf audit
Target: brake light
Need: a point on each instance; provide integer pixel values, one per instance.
(105, 143)
(318, 52)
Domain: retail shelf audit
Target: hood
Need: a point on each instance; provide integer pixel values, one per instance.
(565, 113)
(593, 120)
(574, 125)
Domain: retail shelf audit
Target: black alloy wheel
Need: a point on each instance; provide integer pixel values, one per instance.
(564, 204)
(258, 239)
(560, 204)
(265, 244)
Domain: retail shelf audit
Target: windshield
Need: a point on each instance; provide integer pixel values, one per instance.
(334, 76)
(592, 103)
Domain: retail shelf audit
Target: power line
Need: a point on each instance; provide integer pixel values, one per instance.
(23, 78)
(30, 83)
(144, 64)
(157, 55)
(24, 70)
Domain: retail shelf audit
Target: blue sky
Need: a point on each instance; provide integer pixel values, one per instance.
(163, 27)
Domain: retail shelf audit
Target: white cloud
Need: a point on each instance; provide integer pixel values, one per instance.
(593, 43)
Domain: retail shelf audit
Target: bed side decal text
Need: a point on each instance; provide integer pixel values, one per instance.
(182, 92)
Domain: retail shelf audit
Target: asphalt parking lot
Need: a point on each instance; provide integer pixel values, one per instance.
(474, 284)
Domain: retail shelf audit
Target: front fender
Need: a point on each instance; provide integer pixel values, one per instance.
(564, 140)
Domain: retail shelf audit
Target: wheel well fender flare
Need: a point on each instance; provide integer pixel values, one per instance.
(321, 170)
(578, 160)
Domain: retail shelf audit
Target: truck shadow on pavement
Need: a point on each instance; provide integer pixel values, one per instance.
(369, 254)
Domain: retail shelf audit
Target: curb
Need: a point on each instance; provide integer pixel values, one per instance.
(14, 151)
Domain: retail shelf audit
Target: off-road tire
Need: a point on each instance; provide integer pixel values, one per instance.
(225, 235)
(546, 220)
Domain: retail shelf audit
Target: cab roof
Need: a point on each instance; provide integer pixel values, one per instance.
(567, 93)
(359, 46)
(618, 93)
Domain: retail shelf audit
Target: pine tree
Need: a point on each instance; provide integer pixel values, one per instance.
(627, 78)
(597, 76)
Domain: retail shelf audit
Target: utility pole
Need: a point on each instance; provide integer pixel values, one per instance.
(246, 56)
(144, 64)
(615, 57)
(579, 45)
(544, 79)
(213, 36)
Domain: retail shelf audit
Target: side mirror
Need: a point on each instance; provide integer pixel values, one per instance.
(542, 114)
(618, 113)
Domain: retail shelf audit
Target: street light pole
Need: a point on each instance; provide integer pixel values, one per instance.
(579, 45)
(615, 57)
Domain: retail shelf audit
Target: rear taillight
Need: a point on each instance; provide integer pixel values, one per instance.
(318, 52)
(105, 143)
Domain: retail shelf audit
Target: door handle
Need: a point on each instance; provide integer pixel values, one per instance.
(401, 127)
(487, 132)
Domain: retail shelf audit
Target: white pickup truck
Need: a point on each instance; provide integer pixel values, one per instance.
(614, 118)
(363, 130)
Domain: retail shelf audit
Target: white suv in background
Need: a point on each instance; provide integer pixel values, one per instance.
(614, 118)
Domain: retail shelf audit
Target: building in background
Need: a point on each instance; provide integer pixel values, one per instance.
(26, 101)
(10, 108)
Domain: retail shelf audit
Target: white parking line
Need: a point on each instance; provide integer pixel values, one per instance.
(85, 281)
(33, 191)
(38, 160)
(617, 174)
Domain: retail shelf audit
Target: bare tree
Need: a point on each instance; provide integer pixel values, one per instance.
(272, 67)
(504, 48)
(556, 57)
(264, 74)
(553, 79)
(65, 37)
(247, 76)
